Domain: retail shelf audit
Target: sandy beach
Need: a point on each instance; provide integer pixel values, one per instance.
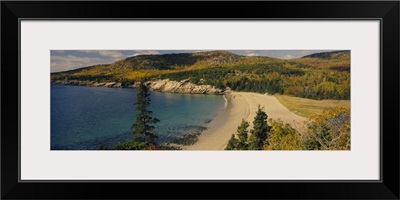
(241, 105)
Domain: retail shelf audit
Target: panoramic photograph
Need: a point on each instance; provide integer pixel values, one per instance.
(200, 100)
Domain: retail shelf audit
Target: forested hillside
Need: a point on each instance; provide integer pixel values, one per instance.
(317, 76)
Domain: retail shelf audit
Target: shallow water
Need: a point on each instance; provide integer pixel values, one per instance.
(81, 117)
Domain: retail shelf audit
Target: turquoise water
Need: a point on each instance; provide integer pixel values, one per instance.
(81, 117)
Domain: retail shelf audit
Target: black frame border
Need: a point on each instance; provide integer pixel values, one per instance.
(210, 180)
(387, 12)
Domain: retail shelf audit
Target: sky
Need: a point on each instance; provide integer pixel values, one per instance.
(63, 60)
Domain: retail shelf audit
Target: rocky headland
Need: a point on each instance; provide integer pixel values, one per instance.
(166, 85)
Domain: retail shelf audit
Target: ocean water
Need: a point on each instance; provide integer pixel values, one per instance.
(81, 117)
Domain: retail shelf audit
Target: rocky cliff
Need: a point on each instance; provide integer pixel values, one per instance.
(184, 86)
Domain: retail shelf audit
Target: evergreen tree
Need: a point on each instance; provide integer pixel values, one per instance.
(260, 130)
(255, 143)
(242, 133)
(143, 130)
(232, 144)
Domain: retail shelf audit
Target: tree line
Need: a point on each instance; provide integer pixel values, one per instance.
(295, 79)
(273, 79)
(328, 131)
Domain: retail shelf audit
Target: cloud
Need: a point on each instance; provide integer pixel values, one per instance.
(113, 54)
(251, 53)
(74, 59)
(288, 56)
(145, 52)
(89, 51)
(63, 63)
(106, 53)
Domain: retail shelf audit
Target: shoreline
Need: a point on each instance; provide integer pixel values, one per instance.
(237, 106)
(242, 105)
(161, 85)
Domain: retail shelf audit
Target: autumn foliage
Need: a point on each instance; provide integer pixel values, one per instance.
(325, 76)
(328, 131)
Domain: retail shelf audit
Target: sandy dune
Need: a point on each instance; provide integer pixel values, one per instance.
(240, 106)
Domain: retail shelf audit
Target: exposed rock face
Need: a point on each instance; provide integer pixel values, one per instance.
(184, 86)
(87, 83)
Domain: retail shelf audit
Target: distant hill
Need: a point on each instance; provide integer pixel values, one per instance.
(330, 55)
(317, 76)
(178, 60)
(334, 60)
(142, 66)
(206, 59)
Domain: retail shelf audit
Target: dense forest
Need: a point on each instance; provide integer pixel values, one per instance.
(316, 76)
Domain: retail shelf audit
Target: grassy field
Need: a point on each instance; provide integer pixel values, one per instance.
(309, 107)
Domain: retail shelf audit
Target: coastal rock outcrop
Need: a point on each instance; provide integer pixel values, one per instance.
(165, 85)
(87, 83)
(184, 86)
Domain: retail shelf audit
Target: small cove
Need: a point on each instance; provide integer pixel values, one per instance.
(81, 117)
